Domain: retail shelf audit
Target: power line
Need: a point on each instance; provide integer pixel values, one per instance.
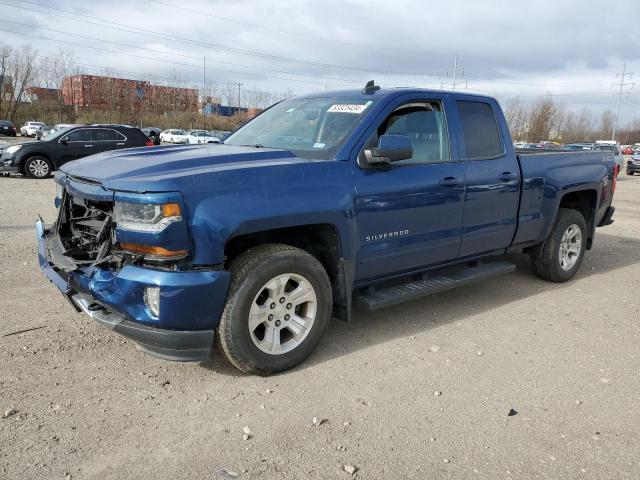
(537, 84)
(154, 34)
(303, 35)
(179, 39)
(620, 93)
(344, 80)
(31, 35)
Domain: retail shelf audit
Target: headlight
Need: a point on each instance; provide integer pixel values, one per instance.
(13, 149)
(144, 217)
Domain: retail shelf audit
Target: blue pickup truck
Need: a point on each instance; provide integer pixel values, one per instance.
(369, 197)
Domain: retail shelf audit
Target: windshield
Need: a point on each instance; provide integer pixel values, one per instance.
(309, 127)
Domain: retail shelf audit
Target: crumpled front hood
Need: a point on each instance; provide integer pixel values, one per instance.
(167, 168)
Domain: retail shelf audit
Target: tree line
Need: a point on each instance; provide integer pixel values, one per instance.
(545, 119)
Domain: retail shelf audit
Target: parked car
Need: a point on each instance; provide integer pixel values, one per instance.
(43, 131)
(627, 150)
(613, 149)
(29, 129)
(59, 126)
(3, 147)
(578, 146)
(529, 146)
(153, 133)
(7, 128)
(39, 159)
(633, 164)
(202, 136)
(221, 134)
(173, 135)
(372, 197)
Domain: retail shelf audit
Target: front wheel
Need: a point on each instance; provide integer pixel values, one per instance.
(563, 251)
(37, 167)
(278, 306)
(629, 172)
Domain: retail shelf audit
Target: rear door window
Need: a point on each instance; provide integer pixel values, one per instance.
(480, 130)
(106, 134)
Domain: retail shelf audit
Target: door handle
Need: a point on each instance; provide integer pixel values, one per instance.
(507, 176)
(450, 182)
(88, 146)
(120, 144)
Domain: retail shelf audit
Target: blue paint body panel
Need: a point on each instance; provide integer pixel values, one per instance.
(390, 221)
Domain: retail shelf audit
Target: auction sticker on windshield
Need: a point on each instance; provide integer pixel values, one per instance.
(348, 108)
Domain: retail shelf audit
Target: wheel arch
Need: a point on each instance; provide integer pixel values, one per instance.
(585, 202)
(322, 240)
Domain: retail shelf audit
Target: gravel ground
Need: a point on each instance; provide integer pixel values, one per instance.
(82, 402)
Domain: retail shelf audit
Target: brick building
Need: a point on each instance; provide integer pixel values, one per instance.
(121, 94)
(40, 94)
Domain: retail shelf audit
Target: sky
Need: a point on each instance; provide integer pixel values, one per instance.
(570, 50)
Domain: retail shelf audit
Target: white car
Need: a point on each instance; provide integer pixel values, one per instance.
(173, 135)
(202, 136)
(29, 129)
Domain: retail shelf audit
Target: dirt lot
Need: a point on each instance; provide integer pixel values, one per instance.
(565, 357)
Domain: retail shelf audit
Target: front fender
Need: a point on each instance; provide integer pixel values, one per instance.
(269, 199)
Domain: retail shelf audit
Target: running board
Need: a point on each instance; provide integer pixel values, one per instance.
(387, 296)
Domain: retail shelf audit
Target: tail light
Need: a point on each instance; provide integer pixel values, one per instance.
(148, 143)
(616, 170)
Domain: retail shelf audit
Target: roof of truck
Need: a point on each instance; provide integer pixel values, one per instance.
(383, 92)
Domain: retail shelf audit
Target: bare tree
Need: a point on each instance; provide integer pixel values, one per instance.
(18, 69)
(540, 119)
(606, 124)
(53, 71)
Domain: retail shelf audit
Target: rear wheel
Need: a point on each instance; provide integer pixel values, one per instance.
(563, 251)
(278, 306)
(37, 167)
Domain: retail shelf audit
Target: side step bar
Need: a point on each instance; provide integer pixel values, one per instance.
(387, 296)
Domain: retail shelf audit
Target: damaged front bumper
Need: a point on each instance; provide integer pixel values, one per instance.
(191, 302)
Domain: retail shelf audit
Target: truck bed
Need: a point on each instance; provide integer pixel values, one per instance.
(547, 176)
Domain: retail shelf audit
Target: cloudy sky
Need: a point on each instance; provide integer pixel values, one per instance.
(571, 50)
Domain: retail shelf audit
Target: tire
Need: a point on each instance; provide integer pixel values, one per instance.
(629, 172)
(37, 167)
(240, 341)
(549, 264)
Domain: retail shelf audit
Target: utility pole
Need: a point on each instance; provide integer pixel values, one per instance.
(204, 93)
(239, 85)
(454, 74)
(620, 93)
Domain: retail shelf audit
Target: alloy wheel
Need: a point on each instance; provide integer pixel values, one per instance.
(570, 247)
(282, 313)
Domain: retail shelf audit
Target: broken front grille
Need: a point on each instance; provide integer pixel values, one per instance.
(85, 228)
